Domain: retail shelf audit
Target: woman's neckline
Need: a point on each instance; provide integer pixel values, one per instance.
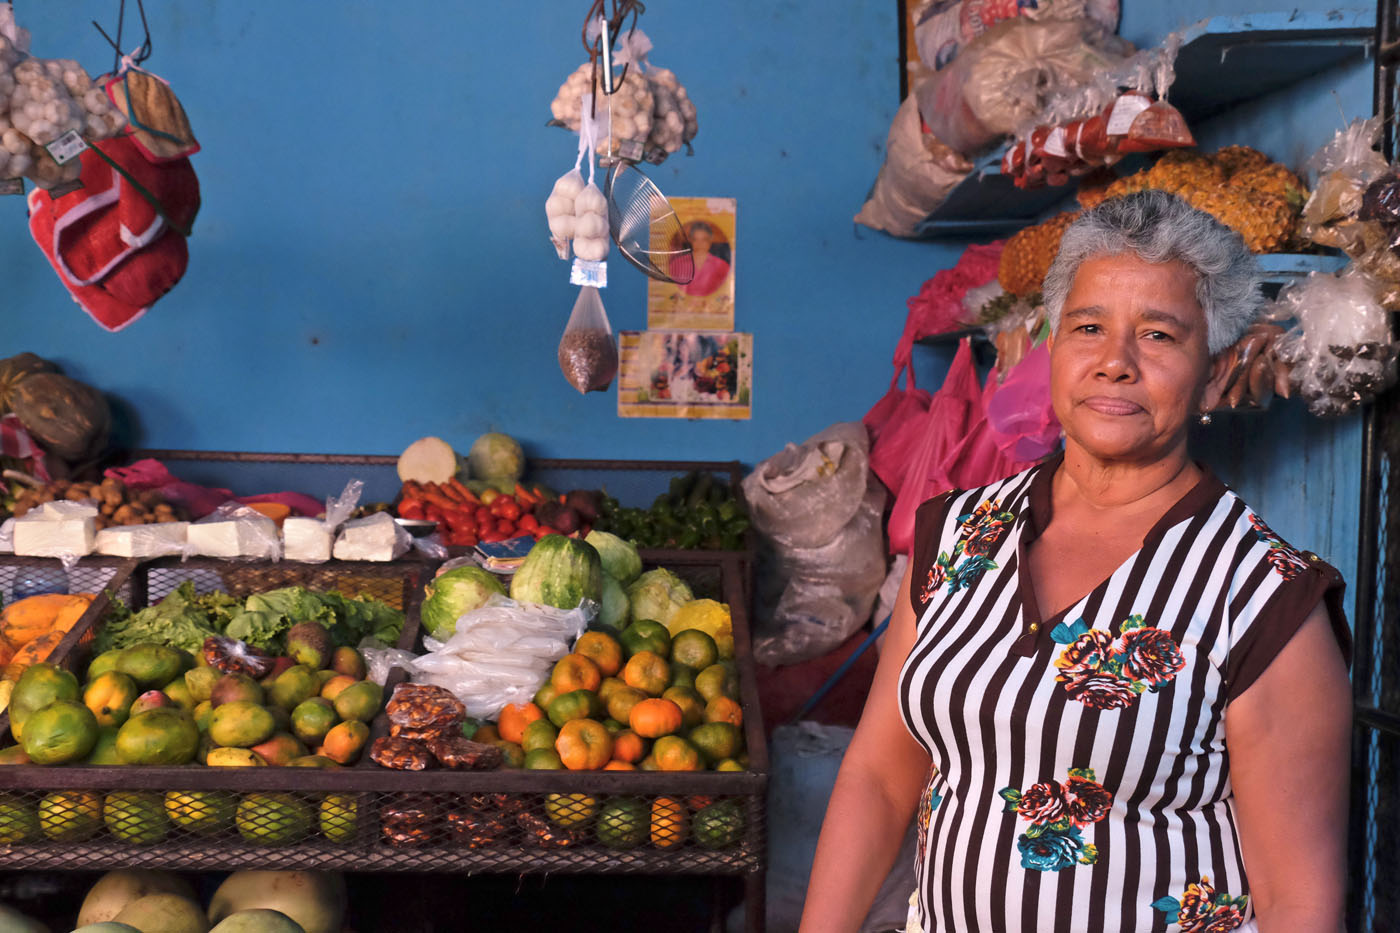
(1040, 511)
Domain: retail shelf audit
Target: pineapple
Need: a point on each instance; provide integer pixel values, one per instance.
(1029, 253)
(1274, 179)
(1264, 220)
(1234, 159)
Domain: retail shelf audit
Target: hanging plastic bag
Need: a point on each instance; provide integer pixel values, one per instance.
(1342, 354)
(918, 174)
(977, 460)
(1020, 418)
(803, 495)
(1343, 169)
(587, 352)
(923, 474)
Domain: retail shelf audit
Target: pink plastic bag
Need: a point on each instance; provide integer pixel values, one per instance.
(1020, 418)
(892, 446)
(937, 435)
(197, 500)
(976, 459)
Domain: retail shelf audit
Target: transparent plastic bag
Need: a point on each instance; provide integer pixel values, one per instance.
(7, 536)
(587, 352)
(1342, 354)
(62, 529)
(805, 494)
(375, 537)
(943, 29)
(309, 540)
(501, 653)
(1342, 169)
(1004, 78)
(158, 540)
(234, 531)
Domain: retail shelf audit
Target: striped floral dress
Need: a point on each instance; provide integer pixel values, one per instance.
(1080, 775)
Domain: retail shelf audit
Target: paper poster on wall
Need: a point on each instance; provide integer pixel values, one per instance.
(706, 302)
(670, 374)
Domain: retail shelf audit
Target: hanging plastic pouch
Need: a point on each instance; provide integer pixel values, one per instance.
(587, 353)
(159, 126)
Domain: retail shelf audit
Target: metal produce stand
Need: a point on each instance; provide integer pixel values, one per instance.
(366, 818)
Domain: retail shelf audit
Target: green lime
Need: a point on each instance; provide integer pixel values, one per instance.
(622, 823)
(693, 648)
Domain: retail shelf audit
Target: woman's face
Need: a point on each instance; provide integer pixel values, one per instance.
(701, 239)
(1129, 364)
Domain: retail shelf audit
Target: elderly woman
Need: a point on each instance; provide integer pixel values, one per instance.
(1111, 697)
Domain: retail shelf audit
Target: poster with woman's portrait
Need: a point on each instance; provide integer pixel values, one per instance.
(707, 374)
(706, 302)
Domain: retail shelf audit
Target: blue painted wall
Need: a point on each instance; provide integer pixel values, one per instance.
(372, 262)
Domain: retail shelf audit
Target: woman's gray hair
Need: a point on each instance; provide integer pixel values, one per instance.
(1161, 227)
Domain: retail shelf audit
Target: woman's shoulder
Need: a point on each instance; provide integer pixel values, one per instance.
(1011, 494)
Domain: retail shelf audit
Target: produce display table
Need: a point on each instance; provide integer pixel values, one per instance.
(366, 818)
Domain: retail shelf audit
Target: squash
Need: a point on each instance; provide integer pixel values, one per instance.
(14, 370)
(34, 616)
(7, 652)
(559, 572)
(68, 418)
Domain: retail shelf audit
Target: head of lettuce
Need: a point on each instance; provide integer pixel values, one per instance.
(454, 594)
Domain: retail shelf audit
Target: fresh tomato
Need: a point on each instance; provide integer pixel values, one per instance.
(492, 536)
(460, 521)
(544, 530)
(411, 509)
(505, 527)
(506, 507)
(484, 516)
(527, 522)
(433, 512)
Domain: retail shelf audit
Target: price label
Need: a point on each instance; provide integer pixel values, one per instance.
(11, 186)
(589, 273)
(67, 147)
(630, 149)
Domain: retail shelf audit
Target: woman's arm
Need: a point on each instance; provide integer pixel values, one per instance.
(877, 789)
(1289, 735)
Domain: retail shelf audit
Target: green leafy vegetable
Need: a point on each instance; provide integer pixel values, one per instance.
(183, 619)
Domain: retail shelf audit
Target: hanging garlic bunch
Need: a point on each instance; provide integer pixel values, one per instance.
(559, 209)
(591, 224)
(674, 122)
(625, 116)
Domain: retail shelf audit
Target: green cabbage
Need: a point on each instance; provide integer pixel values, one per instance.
(620, 559)
(613, 613)
(657, 594)
(454, 594)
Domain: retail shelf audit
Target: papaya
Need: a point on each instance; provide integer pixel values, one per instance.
(37, 650)
(23, 621)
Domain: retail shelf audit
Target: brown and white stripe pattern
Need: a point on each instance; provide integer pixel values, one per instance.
(1140, 713)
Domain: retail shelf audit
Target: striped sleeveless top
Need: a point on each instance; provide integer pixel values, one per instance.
(1080, 779)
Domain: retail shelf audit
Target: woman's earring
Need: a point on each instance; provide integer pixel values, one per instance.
(1205, 417)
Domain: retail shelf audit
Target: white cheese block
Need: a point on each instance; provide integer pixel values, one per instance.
(306, 539)
(154, 540)
(61, 509)
(375, 537)
(55, 538)
(243, 537)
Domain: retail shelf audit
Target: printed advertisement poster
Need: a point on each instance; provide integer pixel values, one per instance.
(706, 302)
(685, 375)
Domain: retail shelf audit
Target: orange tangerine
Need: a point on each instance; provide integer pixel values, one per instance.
(723, 709)
(616, 765)
(674, 753)
(575, 672)
(648, 672)
(621, 702)
(628, 746)
(514, 718)
(668, 822)
(584, 745)
(655, 717)
(602, 649)
(690, 702)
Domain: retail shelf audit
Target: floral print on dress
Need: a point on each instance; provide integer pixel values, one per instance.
(1286, 561)
(1202, 910)
(1058, 813)
(978, 533)
(1104, 672)
(928, 802)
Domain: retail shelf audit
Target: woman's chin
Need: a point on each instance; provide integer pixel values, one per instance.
(1120, 443)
